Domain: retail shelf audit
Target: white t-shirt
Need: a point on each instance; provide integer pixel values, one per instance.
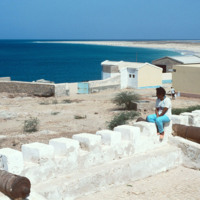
(172, 90)
(165, 103)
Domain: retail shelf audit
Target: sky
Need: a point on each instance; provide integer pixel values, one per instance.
(99, 19)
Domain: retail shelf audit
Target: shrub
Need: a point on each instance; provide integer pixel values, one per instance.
(31, 125)
(44, 103)
(121, 119)
(67, 101)
(125, 99)
(55, 101)
(54, 113)
(80, 117)
(177, 111)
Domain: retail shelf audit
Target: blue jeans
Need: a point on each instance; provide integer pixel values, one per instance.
(158, 120)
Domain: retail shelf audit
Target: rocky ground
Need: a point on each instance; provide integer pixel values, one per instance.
(63, 116)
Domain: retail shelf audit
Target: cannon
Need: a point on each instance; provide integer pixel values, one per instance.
(14, 186)
(189, 132)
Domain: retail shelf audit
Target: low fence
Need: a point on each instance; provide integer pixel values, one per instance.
(62, 89)
(110, 83)
(30, 88)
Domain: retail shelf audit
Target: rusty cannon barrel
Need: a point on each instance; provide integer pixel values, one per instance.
(188, 132)
(14, 186)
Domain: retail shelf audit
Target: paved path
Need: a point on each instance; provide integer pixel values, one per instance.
(177, 184)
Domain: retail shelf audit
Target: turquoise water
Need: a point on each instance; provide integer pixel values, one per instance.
(58, 62)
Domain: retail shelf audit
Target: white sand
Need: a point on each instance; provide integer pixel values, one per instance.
(185, 47)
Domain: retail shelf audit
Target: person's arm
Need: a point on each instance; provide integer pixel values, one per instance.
(156, 112)
(163, 111)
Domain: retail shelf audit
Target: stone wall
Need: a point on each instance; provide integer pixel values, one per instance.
(187, 118)
(113, 82)
(30, 88)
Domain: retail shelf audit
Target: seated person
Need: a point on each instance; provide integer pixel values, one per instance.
(162, 112)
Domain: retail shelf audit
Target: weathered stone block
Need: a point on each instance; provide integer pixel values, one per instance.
(37, 152)
(110, 137)
(168, 129)
(146, 128)
(130, 133)
(179, 119)
(64, 146)
(196, 112)
(88, 141)
(11, 160)
(193, 118)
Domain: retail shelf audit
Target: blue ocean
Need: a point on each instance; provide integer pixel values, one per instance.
(29, 60)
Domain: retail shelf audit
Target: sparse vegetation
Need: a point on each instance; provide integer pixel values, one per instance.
(66, 101)
(55, 101)
(178, 111)
(124, 99)
(80, 117)
(54, 113)
(121, 119)
(31, 125)
(44, 103)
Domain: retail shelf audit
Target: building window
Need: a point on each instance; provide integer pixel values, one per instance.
(129, 75)
(133, 75)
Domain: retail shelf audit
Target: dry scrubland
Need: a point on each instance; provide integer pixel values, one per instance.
(63, 116)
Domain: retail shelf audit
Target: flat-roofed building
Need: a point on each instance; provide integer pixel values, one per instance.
(110, 68)
(186, 79)
(167, 63)
(140, 75)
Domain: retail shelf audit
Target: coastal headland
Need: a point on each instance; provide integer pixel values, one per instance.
(182, 46)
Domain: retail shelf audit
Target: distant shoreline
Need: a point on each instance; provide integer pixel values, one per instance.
(185, 47)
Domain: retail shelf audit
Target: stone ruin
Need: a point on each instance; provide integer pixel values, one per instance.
(66, 169)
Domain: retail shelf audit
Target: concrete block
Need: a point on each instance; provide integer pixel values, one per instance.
(108, 153)
(40, 172)
(109, 137)
(37, 152)
(11, 160)
(127, 148)
(196, 112)
(190, 117)
(61, 89)
(168, 129)
(193, 118)
(179, 119)
(146, 128)
(190, 150)
(119, 172)
(196, 121)
(130, 133)
(88, 159)
(88, 141)
(64, 146)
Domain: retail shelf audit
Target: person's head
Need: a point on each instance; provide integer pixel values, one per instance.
(160, 93)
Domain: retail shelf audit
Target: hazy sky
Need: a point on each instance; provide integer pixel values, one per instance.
(99, 19)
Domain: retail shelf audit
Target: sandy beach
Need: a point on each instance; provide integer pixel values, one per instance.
(186, 47)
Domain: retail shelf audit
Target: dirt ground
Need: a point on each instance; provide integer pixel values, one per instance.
(63, 116)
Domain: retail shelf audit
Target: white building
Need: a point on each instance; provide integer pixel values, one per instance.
(133, 74)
